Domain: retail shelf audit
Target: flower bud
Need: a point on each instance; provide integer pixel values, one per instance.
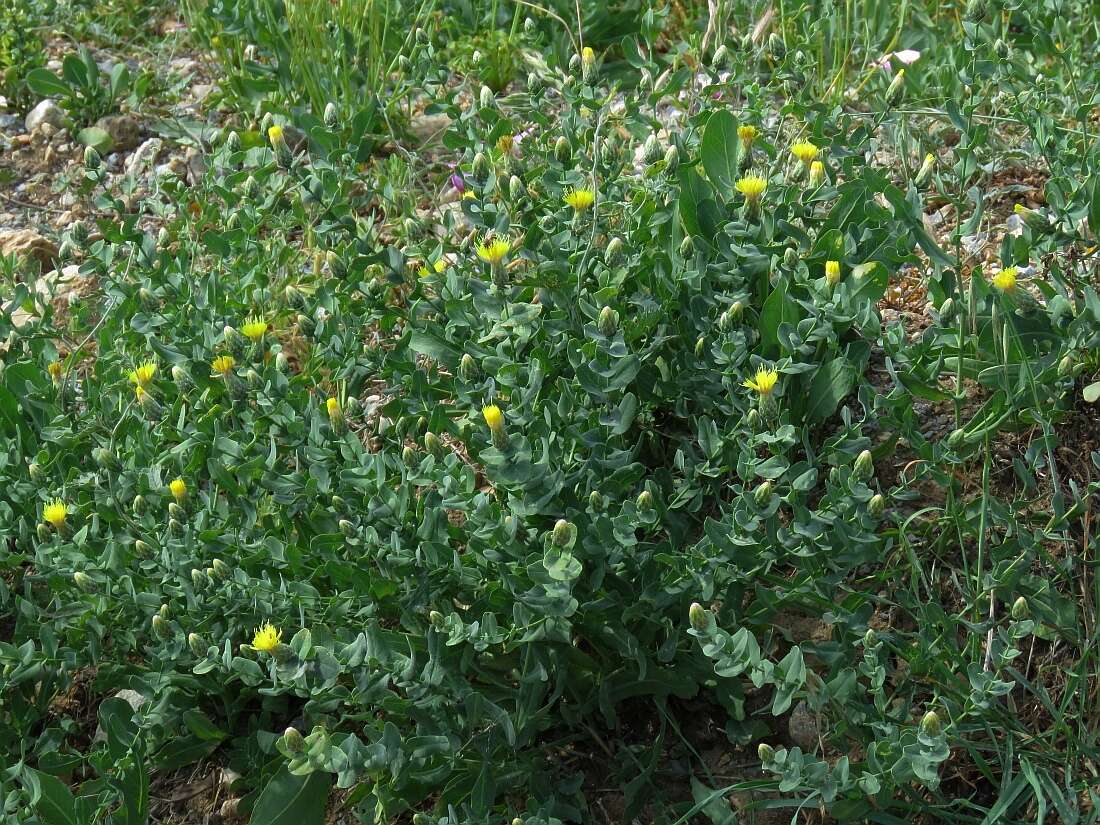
(293, 740)
(651, 149)
(83, 581)
(897, 86)
(614, 250)
(700, 346)
(924, 174)
(92, 159)
(947, 309)
(687, 247)
(930, 725)
(432, 444)
(79, 233)
(197, 645)
(306, 325)
(588, 65)
(608, 322)
(864, 466)
(776, 48)
(485, 97)
(672, 158)
(233, 142)
(516, 189)
(332, 115)
(817, 174)
(876, 506)
(1034, 220)
(790, 257)
(161, 627)
(563, 533)
(562, 150)
(1002, 49)
(44, 533)
(763, 494)
(765, 752)
(595, 500)
(176, 511)
(481, 166)
(1020, 609)
(408, 456)
(645, 501)
(281, 362)
(467, 368)
(697, 615)
(347, 528)
(222, 570)
(198, 579)
(103, 457)
(870, 638)
(142, 548)
(721, 57)
(139, 505)
(175, 527)
(435, 618)
(251, 188)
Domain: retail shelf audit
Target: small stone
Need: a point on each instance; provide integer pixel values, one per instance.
(125, 131)
(131, 697)
(201, 91)
(145, 154)
(25, 243)
(429, 128)
(802, 726)
(45, 112)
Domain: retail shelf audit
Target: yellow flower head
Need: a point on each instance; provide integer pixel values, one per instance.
(752, 187)
(223, 365)
(254, 329)
(805, 152)
(55, 512)
(505, 143)
(275, 135)
(143, 374)
(580, 199)
(54, 369)
(267, 638)
(493, 251)
(763, 382)
(335, 412)
(469, 195)
(437, 267)
(588, 57)
(179, 489)
(493, 417)
(748, 133)
(817, 173)
(832, 272)
(1005, 280)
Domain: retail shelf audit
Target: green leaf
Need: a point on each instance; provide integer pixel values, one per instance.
(830, 385)
(200, 725)
(712, 804)
(1091, 392)
(778, 309)
(99, 139)
(51, 798)
(46, 84)
(719, 150)
(292, 800)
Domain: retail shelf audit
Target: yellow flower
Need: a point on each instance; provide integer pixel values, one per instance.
(254, 329)
(141, 394)
(275, 135)
(805, 152)
(493, 251)
(752, 187)
(763, 382)
(469, 195)
(1005, 280)
(493, 417)
(54, 369)
(267, 638)
(55, 512)
(179, 489)
(588, 57)
(817, 173)
(832, 272)
(143, 374)
(580, 199)
(504, 144)
(223, 365)
(437, 266)
(335, 413)
(748, 134)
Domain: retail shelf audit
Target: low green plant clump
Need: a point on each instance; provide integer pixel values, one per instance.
(461, 515)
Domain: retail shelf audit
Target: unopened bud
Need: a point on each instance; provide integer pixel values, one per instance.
(765, 752)
(293, 740)
(672, 159)
(198, 579)
(481, 166)
(608, 322)
(432, 443)
(645, 501)
(651, 149)
(930, 725)
(870, 638)
(763, 494)
(92, 159)
(467, 368)
(44, 532)
(176, 511)
(864, 466)
(233, 142)
(614, 250)
(897, 86)
(876, 506)
(562, 150)
(924, 174)
(142, 548)
(332, 115)
(222, 570)
(408, 456)
(197, 645)
(83, 581)
(161, 627)
(516, 189)
(563, 533)
(435, 618)
(817, 174)
(347, 528)
(485, 97)
(139, 505)
(1020, 609)
(595, 500)
(687, 247)
(697, 615)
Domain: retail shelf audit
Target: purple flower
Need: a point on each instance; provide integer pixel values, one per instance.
(458, 182)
